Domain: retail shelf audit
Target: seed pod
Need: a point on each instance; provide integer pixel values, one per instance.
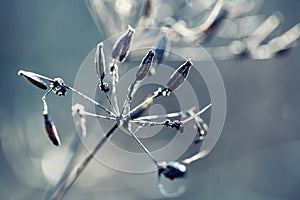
(179, 76)
(149, 8)
(51, 130)
(174, 170)
(160, 49)
(34, 79)
(100, 62)
(121, 47)
(145, 66)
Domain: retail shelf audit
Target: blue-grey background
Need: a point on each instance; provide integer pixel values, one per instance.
(256, 157)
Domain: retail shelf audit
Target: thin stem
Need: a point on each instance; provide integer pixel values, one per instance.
(91, 100)
(110, 103)
(129, 97)
(98, 116)
(168, 115)
(45, 109)
(115, 79)
(198, 113)
(195, 157)
(147, 123)
(144, 148)
(78, 169)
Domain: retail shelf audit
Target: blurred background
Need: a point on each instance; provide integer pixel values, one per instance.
(256, 157)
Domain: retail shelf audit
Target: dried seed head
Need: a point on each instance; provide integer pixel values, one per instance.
(121, 47)
(100, 62)
(145, 66)
(34, 79)
(51, 130)
(179, 76)
(174, 170)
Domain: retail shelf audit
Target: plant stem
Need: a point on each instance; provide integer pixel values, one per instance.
(91, 100)
(72, 177)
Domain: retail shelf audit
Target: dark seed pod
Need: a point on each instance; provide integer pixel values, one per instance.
(145, 66)
(100, 62)
(160, 49)
(179, 76)
(34, 79)
(174, 170)
(51, 130)
(121, 47)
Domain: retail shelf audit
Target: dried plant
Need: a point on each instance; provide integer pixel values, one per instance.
(250, 45)
(128, 116)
